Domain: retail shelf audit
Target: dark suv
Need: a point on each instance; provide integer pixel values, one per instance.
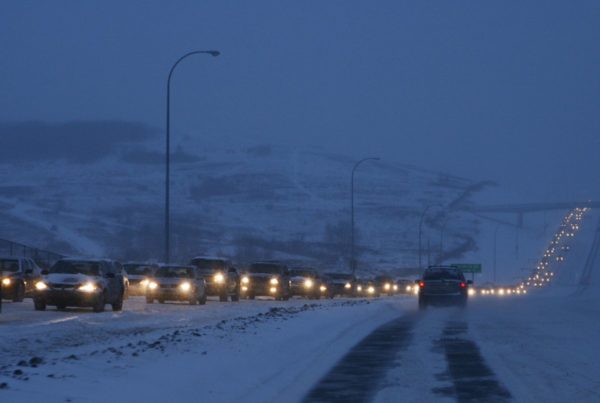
(176, 283)
(442, 285)
(306, 283)
(266, 279)
(222, 280)
(341, 284)
(81, 283)
(18, 276)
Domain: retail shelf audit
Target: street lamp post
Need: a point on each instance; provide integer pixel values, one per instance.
(495, 249)
(213, 53)
(421, 230)
(352, 258)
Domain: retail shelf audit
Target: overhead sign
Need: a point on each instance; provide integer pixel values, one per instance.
(468, 267)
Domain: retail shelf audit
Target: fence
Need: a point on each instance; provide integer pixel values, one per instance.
(43, 258)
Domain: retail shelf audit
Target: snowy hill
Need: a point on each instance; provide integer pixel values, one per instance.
(246, 201)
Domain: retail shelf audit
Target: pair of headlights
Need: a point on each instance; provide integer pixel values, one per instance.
(273, 281)
(6, 281)
(85, 287)
(186, 286)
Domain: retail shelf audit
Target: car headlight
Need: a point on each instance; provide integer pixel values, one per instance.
(323, 288)
(395, 287)
(408, 288)
(359, 288)
(273, 290)
(144, 283)
(371, 290)
(185, 287)
(6, 281)
(387, 286)
(219, 278)
(152, 285)
(348, 286)
(274, 281)
(87, 287)
(245, 280)
(308, 283)
(40, 285)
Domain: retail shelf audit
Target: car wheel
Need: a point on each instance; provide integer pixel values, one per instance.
(100, 302)
(223, 298)
(19, 293)
(422, 304)
(39, 304)
(60, 307)
(202, 299)
(235, 297)
(149, 300)
(251, 296)
(118, 306)
(161, 301)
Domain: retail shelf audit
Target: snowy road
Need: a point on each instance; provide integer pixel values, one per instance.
(520, 349)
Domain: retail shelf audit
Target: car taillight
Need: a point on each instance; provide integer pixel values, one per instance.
(463, 285)
(421, 284)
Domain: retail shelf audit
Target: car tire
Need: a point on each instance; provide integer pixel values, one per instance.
(223, 298)
(251, 296)
(19, 293)
(100, 302)
(202, 299)
(422, 304)
(235, 297)
(39, 304)
(118, 306)
(149, 300)
(161, 301)
(60, 307)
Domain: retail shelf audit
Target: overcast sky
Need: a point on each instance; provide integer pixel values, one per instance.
(505, 90)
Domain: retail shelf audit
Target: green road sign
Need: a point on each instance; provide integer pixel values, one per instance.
(468, 267)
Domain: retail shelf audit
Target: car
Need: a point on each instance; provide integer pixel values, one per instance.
(138, 274)
(386, 285)
(305, 282)
(406, 286)
(18, 276)
(266, 279)
(340, 284)
(443, 285)
(81, 283)
(222, 279)
(173, 282)
(370, 287)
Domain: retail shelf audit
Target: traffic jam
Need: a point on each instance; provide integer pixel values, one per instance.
(96, 283)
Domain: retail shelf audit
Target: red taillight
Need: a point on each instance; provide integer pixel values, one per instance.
(463, 285)
(421, 284)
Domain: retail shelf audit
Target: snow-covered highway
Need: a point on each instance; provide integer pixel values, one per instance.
(498, 349)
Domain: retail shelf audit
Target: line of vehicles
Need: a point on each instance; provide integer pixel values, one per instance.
(95, 283)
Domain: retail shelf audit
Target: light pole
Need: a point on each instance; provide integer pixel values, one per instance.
(421, 230)
(213, 53)
(352, 259)
(442, 236)
(495, 249)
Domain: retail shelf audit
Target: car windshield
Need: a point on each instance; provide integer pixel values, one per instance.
(175, 272)
(302, 273)
(265, 268)
(339, 276)
(138, 269)
(443, 274)
(9, 265)
(90, 268)
(209, 265)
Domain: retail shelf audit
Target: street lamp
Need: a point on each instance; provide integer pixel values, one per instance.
(443, 229)
(421, 229)
(352, 259)
(213, 53)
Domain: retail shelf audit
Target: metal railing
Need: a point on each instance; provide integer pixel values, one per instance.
(44, 258)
